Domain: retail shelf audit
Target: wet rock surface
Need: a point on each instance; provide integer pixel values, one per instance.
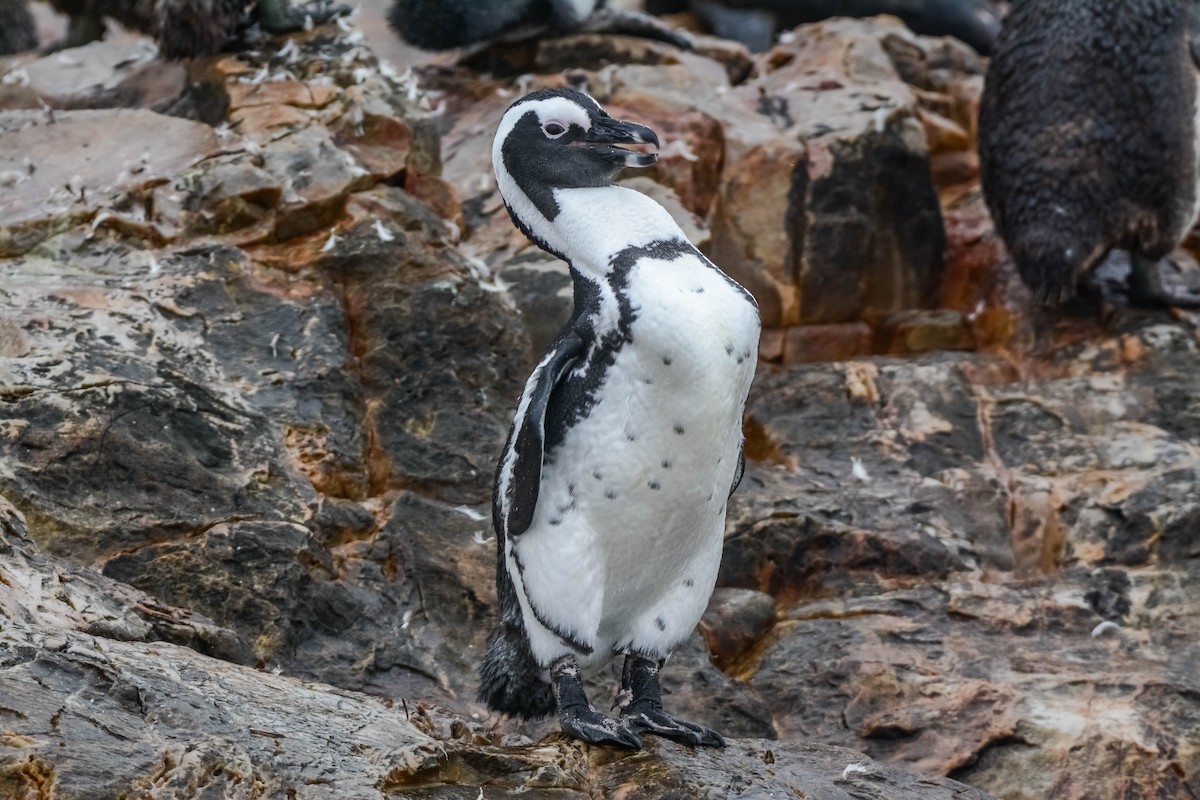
(259, 355)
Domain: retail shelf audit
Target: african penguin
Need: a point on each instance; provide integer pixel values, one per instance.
(17, 29)
(446, 24)
(1088, 140)
(610, 495)
(187, 28)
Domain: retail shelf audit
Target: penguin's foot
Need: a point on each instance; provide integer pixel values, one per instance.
(577, 718)
(644, 712)
(633, 23)
(589, 725)
(280, 16)
(1165, 282)
(659, 723)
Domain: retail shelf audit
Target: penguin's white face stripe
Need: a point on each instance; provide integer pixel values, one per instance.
(552, 144)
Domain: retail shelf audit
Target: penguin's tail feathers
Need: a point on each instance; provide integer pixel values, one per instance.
(510, 680)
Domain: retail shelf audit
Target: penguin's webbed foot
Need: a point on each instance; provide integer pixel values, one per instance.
(633, 23)
(576, 716)
(589, 725)
(1165, 282)
(646, 719)
(641, 706)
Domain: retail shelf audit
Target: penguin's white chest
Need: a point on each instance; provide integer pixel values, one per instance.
(626, 539)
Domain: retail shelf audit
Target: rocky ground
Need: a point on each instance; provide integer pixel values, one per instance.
(263, 321)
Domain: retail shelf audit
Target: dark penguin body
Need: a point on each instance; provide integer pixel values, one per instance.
(187, 28)
(611, 493)
(755, 22)
(17, 29)
(446, 24)
(1087, 138)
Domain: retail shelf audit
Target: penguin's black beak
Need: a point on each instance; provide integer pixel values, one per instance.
(606, 133)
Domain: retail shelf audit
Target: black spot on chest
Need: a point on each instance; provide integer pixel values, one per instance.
(580, 390)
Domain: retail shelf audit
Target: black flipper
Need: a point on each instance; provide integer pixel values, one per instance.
(517, 498)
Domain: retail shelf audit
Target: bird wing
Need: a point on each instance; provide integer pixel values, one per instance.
(520, 474)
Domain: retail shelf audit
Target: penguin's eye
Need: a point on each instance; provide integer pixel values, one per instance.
(554, 129)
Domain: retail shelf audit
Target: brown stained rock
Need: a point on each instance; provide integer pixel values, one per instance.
(279, 93)
(317, 180)
(437, 405)
(864, 231)
(438, 194)
(264, 123)
(375, 135)
(225, 195)
(66, 167)
(808, 344)
(907, 477)
(734, 621)
(692, 156)
(912, 332)
(145, 413)
(751, 241)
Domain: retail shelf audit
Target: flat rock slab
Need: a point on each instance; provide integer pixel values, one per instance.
(96, 718)
(115, 72)
(62, 167)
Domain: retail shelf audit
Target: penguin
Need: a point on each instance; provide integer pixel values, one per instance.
(447, 24)
(1088, 141)
(754, 23)
(187, 28)
(18, 32)
(611, 492)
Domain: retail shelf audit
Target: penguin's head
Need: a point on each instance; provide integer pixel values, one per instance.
(554, 139)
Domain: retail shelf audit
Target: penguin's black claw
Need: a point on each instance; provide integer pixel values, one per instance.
(650, 720)
(593, 727)
(640, 701)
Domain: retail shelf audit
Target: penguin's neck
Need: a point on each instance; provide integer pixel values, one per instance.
(595, 224)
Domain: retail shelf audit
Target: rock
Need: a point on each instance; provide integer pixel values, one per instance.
(103, 718)
(38, 590)
(102, 74)
(100, 704)
(910, 332)
(734, 620)
(919, 513)
(839, 341)
(188, 726)
(115, 157)
(245, 389)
